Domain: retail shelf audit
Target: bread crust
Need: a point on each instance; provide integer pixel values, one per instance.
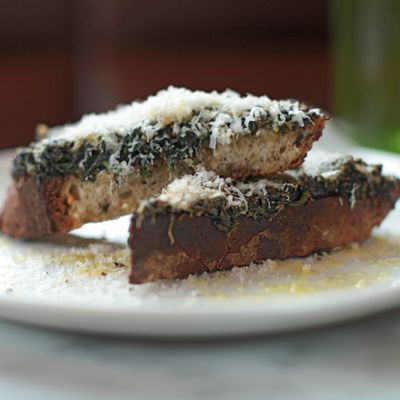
(36, 208)
(172, 247)
(33, 209)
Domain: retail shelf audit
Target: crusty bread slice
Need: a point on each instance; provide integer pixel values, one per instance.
(101, 167)
(36, 208)
(204, 223)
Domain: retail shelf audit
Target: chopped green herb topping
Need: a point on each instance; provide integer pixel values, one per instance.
(226, 202)
(172, 126)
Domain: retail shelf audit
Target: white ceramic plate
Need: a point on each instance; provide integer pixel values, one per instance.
(58, 283)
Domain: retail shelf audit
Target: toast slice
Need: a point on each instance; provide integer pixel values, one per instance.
(205, 223)
(102, 166)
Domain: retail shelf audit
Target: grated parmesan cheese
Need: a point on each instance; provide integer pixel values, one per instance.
(182, 193)
(320, 162)
(175, 126)
(224, 114)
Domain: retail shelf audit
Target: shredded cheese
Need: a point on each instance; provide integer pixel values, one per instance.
(182, 193)
(223, 114)
(320, 162)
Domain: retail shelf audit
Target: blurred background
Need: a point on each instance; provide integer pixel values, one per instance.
(62, 58)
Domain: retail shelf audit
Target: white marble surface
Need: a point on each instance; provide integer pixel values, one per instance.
(358, 360)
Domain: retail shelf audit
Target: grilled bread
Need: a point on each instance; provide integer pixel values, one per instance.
(102, 166)
(205, 223)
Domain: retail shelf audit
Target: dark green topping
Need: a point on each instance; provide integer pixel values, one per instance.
(350, 180)
(142, 147)
(89, 158)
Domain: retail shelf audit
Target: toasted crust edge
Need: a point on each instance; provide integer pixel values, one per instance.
(174, 248)
(34, 209)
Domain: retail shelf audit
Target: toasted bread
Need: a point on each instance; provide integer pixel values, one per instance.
(101, 167)
(205, 223)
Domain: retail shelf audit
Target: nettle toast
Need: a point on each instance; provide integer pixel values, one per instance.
(102, 166)
(205, 223)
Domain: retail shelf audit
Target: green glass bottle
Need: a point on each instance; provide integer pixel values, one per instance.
(366, 69)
